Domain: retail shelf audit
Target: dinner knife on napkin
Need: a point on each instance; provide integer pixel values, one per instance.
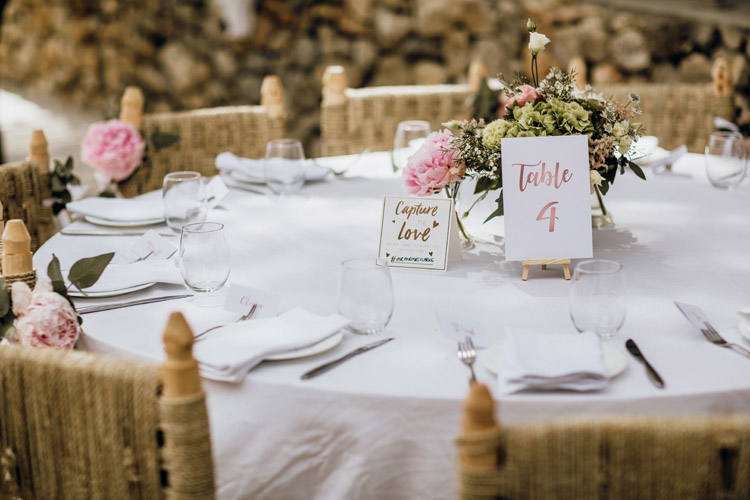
(107, 307)
(327, 366)
(637, 354)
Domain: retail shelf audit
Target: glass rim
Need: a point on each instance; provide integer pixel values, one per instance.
(183, 174)
(364, 263)
(610, 266)
(284, 142)
(726, 134)
(193, 227)
(413, 123)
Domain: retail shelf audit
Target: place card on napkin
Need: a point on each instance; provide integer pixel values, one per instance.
(122, 276)
(233, 350)
(241, 298)
(542, 361)
(457, 327)
(120, 209)
(418, 233)
(216, 191)
(152, 245)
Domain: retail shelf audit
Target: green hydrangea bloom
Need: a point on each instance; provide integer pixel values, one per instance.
(495, 131)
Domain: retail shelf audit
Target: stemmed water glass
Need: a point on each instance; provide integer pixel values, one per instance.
(597, 301)
(365, 295)
(409, 137)
(726, 159)
(284, 166)
(204, 261)
(185, 199)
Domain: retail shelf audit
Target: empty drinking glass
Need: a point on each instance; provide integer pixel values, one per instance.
(184, 196)
(726, 159)
(409, 137)
(596, 301)
(204, 257)
(365, 295)
(284, 166)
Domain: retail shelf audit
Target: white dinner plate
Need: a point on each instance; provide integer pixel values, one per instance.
(120, 223)
(615, 360)
(321, 346)
(109, 293)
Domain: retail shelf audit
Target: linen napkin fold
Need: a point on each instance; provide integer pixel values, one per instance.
(119, 276)
(230, 353)
(533, 360)
(252, 169)
(120, 209)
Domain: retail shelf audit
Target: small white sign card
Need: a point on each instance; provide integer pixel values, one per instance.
(547, 197)
(153, 246)
(418, 233)
(241, 298)
(458, 327)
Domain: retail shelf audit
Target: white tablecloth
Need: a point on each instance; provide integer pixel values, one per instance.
(382, 425)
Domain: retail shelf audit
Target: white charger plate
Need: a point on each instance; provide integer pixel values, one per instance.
(109, 293)
(615, 360)
(119, 223)
(321, 346)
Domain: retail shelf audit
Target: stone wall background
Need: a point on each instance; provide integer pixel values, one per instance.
(178, 51)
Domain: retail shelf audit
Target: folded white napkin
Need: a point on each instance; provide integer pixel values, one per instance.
(251, 170)
(532, 360)
(119, 276)
(120, 209)
(233, 350)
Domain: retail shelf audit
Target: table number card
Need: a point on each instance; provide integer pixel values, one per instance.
(547, 197)
(418, 233)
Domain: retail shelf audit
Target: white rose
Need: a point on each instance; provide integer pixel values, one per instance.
(537, 41)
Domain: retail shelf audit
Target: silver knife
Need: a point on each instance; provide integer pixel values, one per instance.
(637, 354)
(325, 367)
(107, 307)
(94, 232)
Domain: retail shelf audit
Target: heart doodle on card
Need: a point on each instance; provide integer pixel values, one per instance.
(430, 253)
(393, 221)
(435, 223)
(387, 254)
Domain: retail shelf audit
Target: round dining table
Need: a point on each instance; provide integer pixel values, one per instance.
(383, 424)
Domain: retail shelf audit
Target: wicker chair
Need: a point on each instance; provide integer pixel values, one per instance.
(352, 120)
(24, 186)
(203, 134)
(78, 425)
(680, 113)
(654, 458)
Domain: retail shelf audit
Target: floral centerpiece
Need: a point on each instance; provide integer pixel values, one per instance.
(46, 316)
(552, 106)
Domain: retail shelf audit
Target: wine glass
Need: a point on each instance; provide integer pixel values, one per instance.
(726, 159)
(204, 260)
(596, 300)
(284, 166)
(410, 135)
(185, 200)
(365, 295)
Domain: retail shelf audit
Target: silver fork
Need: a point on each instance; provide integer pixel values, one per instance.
(467, 354)
(247, 316)
(713, 336)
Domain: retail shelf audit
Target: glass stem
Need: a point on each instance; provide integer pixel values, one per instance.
(599, 198)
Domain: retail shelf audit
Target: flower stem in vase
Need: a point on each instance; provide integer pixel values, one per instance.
(600, 217)
(467, 242)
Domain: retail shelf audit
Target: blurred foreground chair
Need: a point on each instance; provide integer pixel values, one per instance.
(24, 186)
(200, 135)
(649, 458)
(352, 120)
(77, 425)
(680, 113)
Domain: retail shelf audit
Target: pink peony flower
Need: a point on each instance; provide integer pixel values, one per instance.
(20, 296)
(114, 148)
(46, 320)
(526, 93)
(433, 166)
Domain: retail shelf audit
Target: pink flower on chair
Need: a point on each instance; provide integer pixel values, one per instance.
(114, 148)
(47, 321)
(526, 93)
(433, 166)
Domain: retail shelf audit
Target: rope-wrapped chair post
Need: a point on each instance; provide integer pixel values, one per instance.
(655, 458)
(78, 425)
(356, 119)
(17, 256)
(190, 140)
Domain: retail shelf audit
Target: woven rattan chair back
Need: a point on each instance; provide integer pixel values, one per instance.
(352, 120)
(78, 425)
(654, 458)
(202, 134)
(23, 189)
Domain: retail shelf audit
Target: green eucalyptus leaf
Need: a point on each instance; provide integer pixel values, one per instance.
(69, 164)
(56, 184)
(86, 272)
(483, 184)
(4, 298)
(55, 275)
(57, 207)
(499, 211)
(162, 140)
(75, 181)
(637, 170)
(6, 325)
